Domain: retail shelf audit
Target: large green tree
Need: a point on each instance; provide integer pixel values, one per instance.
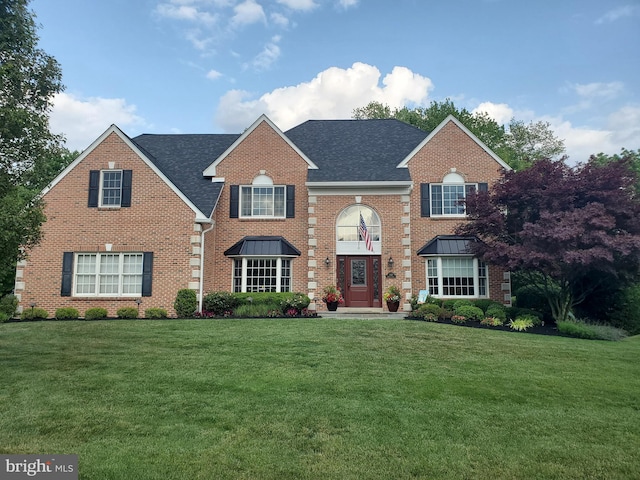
(29, 79)
(520, 144)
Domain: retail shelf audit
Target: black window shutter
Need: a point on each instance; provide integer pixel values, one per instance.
(67, 274)
(94, 187)
(125, 200)
(469, 189)
(483, 187)
(235, 199)
(291, 201)
(147, 270)
(425, 200)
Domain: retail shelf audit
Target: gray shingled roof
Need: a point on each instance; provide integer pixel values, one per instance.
(183, 158)
(356, 150)
(448, 245)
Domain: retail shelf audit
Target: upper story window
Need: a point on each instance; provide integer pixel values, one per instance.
(111, 191)
(110, 188)
(262, 199)
(446, 199)
(353, 225)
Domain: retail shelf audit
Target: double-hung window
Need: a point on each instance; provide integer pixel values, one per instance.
(110, 188)
(108, 274)
(447, 199)
(263, 201)
(456, 277)
(111, 191)
(262, 274)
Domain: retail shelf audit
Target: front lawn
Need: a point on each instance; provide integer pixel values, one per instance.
(318, 399)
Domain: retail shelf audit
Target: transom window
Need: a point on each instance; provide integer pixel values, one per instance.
(262, 274)
(456, 277)
(111, 274)
(447, 198)
(263, 199)
(111, 191)
(350, 234)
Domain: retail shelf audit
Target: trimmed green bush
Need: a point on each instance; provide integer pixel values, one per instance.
(4, 317)
(297, 301)
(485, 303)
(154, 312)
(461, 303)
(497, 311)
(221, 302)
(96, 313)
(9, 305)
(515, 312)
(588, 331)
(186, 303)
(34, 314)
(626, 310)
(449, 304)
(429, 312)
(67, 313)
(469, 312)
(258, 310)
(127, 312)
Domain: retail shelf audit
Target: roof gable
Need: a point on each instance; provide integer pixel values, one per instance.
(404, 163)
(210, 171)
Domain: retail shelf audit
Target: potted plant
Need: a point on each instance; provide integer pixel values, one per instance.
(392, 297)
(332, 297)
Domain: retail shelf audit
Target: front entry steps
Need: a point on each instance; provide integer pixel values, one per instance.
(365, 312)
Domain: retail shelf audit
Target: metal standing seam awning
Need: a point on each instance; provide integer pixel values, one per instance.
(262, 246)
(445, 245)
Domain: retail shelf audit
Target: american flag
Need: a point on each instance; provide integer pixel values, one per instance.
(364, 233)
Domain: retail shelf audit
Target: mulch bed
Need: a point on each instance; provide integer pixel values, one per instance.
(548, 328)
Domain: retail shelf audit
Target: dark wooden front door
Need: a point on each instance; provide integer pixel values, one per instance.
(359, 278)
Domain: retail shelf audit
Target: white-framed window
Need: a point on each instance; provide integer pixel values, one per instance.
(457, 277)
(110, 188)
(108, 274)
(262, 199)
(447, 198)
(262, 274)
(350, 234)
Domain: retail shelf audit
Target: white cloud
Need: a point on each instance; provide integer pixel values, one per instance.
(332, 94)
(618, 13)
(213, 74)
(185, 12)
(347, 3)
(280, 20)
(500, 112)
(81, 121)
(304, 5)
(268, 56)
(248, 12)
(598, 89)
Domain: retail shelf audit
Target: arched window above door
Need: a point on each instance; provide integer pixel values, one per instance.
(350, 234)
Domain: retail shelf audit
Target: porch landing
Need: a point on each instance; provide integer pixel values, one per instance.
(370, 313)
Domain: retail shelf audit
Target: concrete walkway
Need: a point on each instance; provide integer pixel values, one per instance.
(368, 313)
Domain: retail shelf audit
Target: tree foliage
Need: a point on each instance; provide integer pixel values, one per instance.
(569, 230)
(519, 145)
(29, 78)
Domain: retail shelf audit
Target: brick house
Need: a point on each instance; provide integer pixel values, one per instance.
(136, 219)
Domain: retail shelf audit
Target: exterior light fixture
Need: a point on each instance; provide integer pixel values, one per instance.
(327, 262)
(390, 262)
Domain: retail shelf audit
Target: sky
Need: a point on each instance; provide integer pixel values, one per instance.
(215, 66)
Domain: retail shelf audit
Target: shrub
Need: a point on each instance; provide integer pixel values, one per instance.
(626, 310)
(469, 312)
(492, 321)
(522, 323)
(429, 312)
(297, 301)
(515, 312)
(67, 313)
(34, 314)
(127, 312)
(4, 317)
(9, 305)
(186, 303)
(580, 329)
(497, 311)
(154, 312)
(459, 319)
(461, 303)
(429, 300)
(531, 298)
(220, 302)
(249, 310)
(485, 304)
(96, 313)
(449, 304)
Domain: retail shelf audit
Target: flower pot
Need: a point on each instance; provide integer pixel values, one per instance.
(332, 306)
(393, 306)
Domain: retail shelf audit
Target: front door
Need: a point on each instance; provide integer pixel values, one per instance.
(359, 276)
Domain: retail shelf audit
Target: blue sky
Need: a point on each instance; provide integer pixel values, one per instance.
(214, 66)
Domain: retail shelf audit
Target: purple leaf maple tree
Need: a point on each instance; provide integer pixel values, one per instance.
(565, 229)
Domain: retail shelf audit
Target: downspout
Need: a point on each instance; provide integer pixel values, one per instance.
(202, 263)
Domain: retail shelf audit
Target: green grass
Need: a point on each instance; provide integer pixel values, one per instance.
(319, 399)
